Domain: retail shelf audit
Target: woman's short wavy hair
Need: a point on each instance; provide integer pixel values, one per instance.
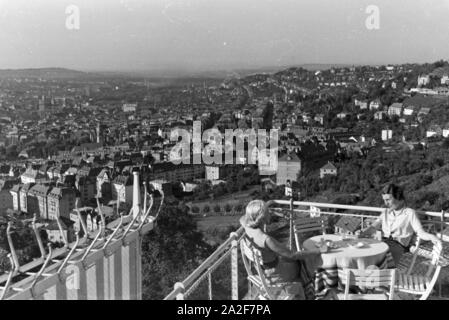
(396, 191)
(254, 214)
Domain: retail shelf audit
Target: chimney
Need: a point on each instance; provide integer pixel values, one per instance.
(136, 194)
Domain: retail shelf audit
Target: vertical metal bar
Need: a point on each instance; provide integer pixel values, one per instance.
(38, 237)
(234, 267)
(11, 246)
(180, 287)
(209, 280)
(61, 231)
(82, 223)
(11, 275)
(290, 240)
(442, 251)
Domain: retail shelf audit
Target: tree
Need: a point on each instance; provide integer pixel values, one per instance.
(171, 251)
(195, 209)
(446, 143)
(5, 265)
(228, 207)
(11, 152)
(239, 207)
(24, 242)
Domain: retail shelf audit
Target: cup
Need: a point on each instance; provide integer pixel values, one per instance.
(378, 235)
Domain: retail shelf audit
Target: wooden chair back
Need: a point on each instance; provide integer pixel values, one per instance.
(368, 279)
(425, 271)
(252, 259)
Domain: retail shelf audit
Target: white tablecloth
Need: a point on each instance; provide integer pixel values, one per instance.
(346, 255)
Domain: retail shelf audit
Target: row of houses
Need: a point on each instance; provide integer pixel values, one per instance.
(86, 184)
(415, 105)
(364, 104)
(45, 201)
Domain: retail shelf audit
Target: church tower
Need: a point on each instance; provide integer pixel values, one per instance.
(98, 133)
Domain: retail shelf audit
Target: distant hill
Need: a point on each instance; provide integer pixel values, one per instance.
(439, 72)
(63, 73)
(314, 67)
(275, 69)
(216, 74)
(44, 73)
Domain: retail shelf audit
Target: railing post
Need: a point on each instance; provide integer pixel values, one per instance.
(234, 266)
(179, 286)
(290, 240)
(209, 280)
(442, 250)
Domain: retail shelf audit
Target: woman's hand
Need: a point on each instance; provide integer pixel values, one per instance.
(367, 232)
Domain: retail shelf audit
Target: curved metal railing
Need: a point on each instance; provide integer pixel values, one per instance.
(52, 263)
(229, 247)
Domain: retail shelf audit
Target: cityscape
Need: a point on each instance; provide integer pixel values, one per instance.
(130, 181)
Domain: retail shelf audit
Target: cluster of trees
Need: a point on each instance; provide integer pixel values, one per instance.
(9, 153)
(174, 249)
(228, 208)
(238, 178)
(171, 251)
(25, 244)
(367, 175)
(276, 192)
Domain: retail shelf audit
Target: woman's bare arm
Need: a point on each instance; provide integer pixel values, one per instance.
(279, 248)
(371, 229)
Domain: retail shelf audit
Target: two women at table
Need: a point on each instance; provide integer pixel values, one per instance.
(398, 223)
(280, 264)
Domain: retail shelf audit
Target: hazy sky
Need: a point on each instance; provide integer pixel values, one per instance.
(219, 34)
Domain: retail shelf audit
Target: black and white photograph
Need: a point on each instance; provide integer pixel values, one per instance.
(233, 150)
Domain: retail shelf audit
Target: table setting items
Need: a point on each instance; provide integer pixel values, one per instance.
(326, 245)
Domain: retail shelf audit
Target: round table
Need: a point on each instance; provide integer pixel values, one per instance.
(373, 254)
(346, 255)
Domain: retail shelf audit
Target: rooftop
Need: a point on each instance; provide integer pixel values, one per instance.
(329, 166)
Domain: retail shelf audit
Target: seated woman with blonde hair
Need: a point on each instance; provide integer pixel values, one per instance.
(280, 264)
